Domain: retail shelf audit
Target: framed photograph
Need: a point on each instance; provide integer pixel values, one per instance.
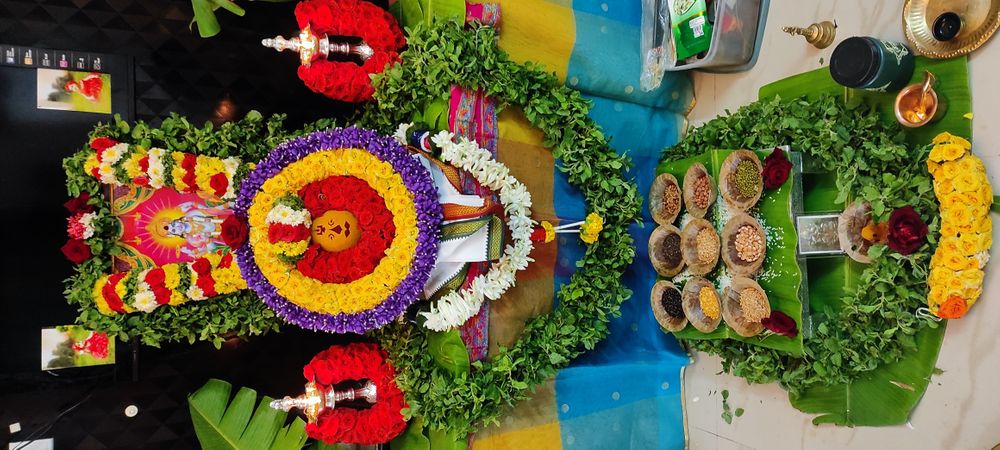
(74, 346)
(71, 90)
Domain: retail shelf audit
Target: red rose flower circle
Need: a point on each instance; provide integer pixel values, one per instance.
(346, 193)
(357, 362)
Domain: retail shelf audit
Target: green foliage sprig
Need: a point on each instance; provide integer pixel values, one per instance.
(445, 54)
(876, 322)
(241, 313)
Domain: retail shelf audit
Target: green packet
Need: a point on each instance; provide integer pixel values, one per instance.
(690, 27)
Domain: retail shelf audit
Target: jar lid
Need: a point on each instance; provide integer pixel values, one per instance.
(855, 62)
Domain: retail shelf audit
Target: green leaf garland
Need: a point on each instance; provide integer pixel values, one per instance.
(448, 53)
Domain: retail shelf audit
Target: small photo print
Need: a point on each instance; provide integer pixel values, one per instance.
(74, 346)
(71, 90)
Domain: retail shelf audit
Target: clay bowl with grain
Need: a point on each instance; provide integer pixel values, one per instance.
(744, 305)
(665, 199)
(700, 257)
(698, 181)
(729, 187)
(738, 251)
(665, 250)
(692, 305)
(661, 310)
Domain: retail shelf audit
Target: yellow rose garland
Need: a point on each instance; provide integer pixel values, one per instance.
(331, 298)
(965, 195)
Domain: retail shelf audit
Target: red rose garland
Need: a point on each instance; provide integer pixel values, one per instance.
(347, 81)
(345, 193)
(356, 362)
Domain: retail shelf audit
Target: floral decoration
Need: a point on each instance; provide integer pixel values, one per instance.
(454, 308)
(116, 164)
(96, 345)
(288, 224)
(780, 323)
(591, 228)
(409, 194)
(344, 80)
(355, 362)
(234, 231)
(170, 284)
(906, 231)
(376, 227)
(76, 251)
(965, 195)
(776, 169)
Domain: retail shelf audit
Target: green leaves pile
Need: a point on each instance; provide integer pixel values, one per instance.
(447, 54)
(240, 314)
(875, 324)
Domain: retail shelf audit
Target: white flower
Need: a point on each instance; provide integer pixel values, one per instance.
(106, 172)
(87, 220)
(194, 292)
(401, 131)
(145, 301)
(286, 215)
(113, 154)
(453, 309)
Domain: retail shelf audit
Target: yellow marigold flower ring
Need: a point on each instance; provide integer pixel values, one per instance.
(418, 228)
(335, 298)
(965, 195)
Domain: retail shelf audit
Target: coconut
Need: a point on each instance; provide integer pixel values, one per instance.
(661, 300)
(741, 189)
(735, 256)
(697, 176)
(665, 199)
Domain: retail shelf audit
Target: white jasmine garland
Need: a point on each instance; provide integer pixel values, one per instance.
(454, 308)
(287, 215)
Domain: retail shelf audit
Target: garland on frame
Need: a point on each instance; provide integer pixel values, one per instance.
(873, 164)
(445, 54)
(241, 313)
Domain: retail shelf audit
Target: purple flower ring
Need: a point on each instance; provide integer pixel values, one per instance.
(376, 298)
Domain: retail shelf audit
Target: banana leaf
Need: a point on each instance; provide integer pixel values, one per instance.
(781, 276)
(952, 86)
(238, 425)
(887, 395)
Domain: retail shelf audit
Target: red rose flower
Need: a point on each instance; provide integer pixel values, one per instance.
(206, 283)
(79, 204)
(141, 181)
(162, 295)
(144, 164)
(76, 251)
(155, 277)
(189, 162)
(101, 143)
(109, 294)
(776, 169)
(219, 184)
(907, 232)
(201, 266)
(234, 231)
(226, 261)
(780, 323)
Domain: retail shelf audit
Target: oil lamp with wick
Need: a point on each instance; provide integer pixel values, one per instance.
(311, 47)
(315, 400)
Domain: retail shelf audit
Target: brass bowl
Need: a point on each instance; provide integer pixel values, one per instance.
(980, 19)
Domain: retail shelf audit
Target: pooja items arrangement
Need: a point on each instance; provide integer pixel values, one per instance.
(948, 28)
(731, 231)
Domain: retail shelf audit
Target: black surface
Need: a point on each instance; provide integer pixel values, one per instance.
(174, 70)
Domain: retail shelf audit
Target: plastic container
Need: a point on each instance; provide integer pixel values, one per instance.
(738, 28)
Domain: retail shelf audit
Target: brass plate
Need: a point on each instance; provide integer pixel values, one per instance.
(980, 19)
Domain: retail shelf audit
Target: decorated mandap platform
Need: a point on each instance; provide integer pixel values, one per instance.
(527, 259)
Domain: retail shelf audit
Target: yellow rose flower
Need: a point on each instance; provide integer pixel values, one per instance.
(949, 170)
(967, 182)
(985, 225)
(943, 186)
(935, 296)
(972, 278)
(949, 229)
(933, 167)
(955, 261)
